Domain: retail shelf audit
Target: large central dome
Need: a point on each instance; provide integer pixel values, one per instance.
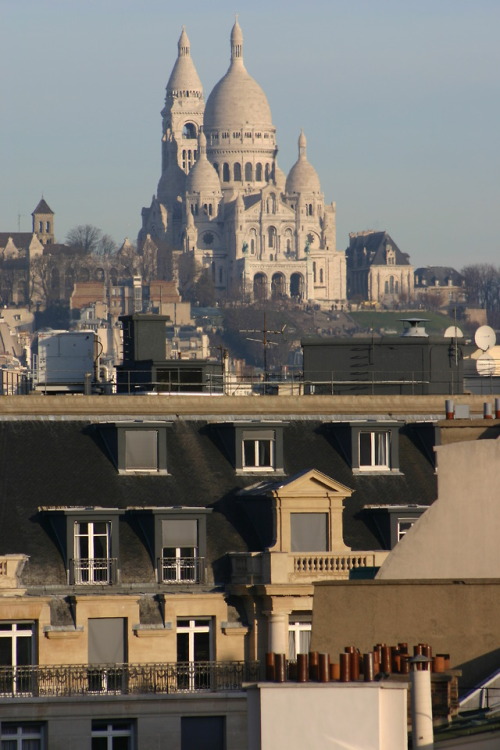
(237, 100)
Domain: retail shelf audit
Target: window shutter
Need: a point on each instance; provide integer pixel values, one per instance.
(180, 533)
(309, 532)
(141, 449)
(107, 640)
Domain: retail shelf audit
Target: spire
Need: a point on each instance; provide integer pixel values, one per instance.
(183, 45)
(236, 42)
(202, 143)
(302, 146)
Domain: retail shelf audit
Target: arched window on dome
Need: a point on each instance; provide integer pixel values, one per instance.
(237, 172)
(321, 277)
(225, 173)
(386, 287)
(258, 172)
(314, 271)
(271, 237)
(248, 172)
(391, 284)
(267, 172)
(189, 130)
(252, 246)
(309, 209)
(272, 198)
(396, 287)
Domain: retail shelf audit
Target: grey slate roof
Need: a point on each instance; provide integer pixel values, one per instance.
(375, 244)
(66, 463)
(42, 208)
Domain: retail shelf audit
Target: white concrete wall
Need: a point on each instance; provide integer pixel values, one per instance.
(458, 537)
(336, 716)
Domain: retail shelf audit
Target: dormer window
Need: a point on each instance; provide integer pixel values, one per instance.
(258, 450)
(137, 447)
(374, 449)
(254, 447)
(370, 447)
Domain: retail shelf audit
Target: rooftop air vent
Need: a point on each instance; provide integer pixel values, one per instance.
(414, 327)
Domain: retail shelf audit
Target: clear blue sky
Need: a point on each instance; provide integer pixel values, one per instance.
(399, 100)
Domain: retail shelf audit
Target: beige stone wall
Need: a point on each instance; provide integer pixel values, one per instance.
(459, 617)
(458, 536)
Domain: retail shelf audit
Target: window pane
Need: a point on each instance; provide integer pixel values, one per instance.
(365, 449)
(5, 652)
(249, 453)
(99, 743)
(203, 733)
(23, 651)
(201, 647)
(264, 452)
(381, 449)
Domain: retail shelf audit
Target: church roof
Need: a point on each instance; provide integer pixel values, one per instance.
(237, 99)
(441, 274)
(20, 239)
(302, 177)
(42, 208)
(184, 76)
(375, 244)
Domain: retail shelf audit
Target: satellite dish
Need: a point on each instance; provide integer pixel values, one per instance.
(485, 338)
(485, 365)
(453, 332)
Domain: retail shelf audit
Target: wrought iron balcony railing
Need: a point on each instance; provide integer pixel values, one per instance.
(93, 572)
(181, 569)
(125, 679)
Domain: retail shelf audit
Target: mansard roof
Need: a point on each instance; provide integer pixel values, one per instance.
(373, 245)
(442, 274)
(65, 463)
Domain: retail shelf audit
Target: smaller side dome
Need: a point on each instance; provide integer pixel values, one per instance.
(302, 177)
(203, 177)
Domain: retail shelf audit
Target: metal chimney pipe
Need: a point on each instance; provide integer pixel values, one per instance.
(487, 411)
(449, 407)
(421, 704)
(497, 408)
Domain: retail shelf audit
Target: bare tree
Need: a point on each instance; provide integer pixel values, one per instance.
(482, 282)
(84, 237)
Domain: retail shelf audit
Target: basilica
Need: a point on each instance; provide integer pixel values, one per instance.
(223, 205)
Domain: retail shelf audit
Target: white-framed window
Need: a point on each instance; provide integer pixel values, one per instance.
(404, 525)
(299, 638)
(92, 547)
(374, 449)
(17, 649)
(179, 563)
(22, 736)
(258, 452)
(194, 645)
(112, 735)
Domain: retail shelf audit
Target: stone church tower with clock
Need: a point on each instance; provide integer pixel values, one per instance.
(223, 203)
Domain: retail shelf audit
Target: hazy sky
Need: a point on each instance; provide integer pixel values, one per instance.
(399, 100)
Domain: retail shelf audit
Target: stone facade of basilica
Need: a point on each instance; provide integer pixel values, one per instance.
(224, 205)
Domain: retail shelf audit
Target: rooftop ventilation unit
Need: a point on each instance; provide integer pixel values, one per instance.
(414, 327)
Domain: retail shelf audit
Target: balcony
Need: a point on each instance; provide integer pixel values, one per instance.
(125, 679)
(181, 570)
(100, 571)
(300, 567)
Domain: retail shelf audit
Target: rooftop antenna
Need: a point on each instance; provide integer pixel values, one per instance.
(265, 341)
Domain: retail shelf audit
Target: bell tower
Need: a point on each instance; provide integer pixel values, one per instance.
(43, 222)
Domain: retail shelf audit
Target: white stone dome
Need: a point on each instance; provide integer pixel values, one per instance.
(184, 77)
(237, 99)
(203, 177)
(302, 177)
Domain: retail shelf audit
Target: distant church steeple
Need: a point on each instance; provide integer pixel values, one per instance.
(43, 222)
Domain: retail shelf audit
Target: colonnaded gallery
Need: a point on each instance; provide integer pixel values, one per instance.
(222, 202)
